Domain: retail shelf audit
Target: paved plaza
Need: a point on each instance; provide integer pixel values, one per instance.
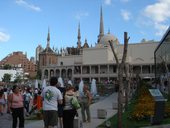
(105, 103)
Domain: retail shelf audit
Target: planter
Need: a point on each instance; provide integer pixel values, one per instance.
(114, 105)
(101, 113)
(39, 116)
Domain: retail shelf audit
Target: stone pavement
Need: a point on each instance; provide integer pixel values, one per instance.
(6, 121)
(105, 103)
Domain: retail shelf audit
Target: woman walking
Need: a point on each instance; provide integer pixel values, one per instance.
(15, 104)
(86, 99)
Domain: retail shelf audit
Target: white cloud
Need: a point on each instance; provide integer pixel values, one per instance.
(108, 2)
(4, 37)
(158, 13)
(126, 15)
(28, 5)
(161, 29)
(81, 14)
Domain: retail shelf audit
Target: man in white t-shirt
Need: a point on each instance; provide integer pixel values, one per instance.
(51, 98)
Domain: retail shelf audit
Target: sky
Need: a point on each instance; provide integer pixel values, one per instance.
(24, 23)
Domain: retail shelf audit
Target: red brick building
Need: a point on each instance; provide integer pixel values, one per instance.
(20, 60)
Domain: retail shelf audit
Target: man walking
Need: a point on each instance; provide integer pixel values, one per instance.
(51, 98)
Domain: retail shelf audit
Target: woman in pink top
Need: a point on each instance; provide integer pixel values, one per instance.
(15, 103)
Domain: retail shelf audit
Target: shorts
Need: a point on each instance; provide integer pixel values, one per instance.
(50, 118)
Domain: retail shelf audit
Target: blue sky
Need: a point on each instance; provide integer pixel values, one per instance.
(24, 23)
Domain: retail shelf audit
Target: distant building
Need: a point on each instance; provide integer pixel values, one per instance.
(39, 49)
(19, 60)
(47, 56)
(32, 59)
(84, 62)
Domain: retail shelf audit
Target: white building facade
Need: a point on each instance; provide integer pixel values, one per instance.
(12, 72)
(98, 62)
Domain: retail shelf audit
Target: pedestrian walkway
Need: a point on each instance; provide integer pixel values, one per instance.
(105, 103)
(6, 121)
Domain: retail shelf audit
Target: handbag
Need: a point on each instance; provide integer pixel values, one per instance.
(75, 103)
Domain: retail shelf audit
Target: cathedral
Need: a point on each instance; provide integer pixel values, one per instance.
(87, 62)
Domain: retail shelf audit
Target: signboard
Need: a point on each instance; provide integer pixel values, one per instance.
(155, 92)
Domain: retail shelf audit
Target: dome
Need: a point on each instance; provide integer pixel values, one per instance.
(106, 38)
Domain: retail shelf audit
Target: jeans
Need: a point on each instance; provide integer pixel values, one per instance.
(85, 111)
(26, 105)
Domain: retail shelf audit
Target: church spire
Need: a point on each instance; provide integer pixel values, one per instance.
(101, 30)
(48, 38)
(79, 37)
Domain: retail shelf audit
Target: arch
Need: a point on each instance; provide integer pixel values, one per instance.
(69, 73)
(57, 72)
(51, 72)
(63, 73)
(46, 74)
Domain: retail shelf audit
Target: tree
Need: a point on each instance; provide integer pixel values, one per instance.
(6, 78)
(7, 66)
(127, 85)
(120, 75)
(18, 78)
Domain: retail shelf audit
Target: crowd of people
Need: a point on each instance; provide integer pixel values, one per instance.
(54, 100)
(17, 102)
